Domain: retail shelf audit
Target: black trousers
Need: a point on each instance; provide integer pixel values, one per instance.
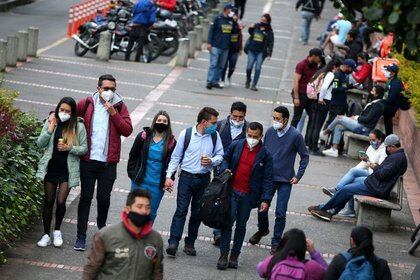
(305, 104)
(91, 172)
(240, 4)
(319, 115)
(389, 113)
(137, 34)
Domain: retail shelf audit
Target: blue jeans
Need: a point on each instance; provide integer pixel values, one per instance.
(355, 174)
(189, 190)
(305, 25)
(283, 194)
(231, 63)
(240, 211)
(218, 59)
(156, 193)
(256, 58)
(343, 123)
(342, 196)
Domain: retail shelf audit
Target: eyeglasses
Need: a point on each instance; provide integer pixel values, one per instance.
(109, 88)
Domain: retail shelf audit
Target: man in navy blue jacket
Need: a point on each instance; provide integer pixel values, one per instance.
(252, 186)
(144, 15)
(394, 87)
(283, 142)
(218, 45)
(378, 184)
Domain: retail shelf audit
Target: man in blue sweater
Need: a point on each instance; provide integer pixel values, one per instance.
(392, 100)
(218, 45)
(144, 15)
(283, 142)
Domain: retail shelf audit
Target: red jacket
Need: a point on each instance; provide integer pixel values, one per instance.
(167, 4)
(119, 125)
(361, 74)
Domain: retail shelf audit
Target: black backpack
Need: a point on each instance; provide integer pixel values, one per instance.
(215, 203)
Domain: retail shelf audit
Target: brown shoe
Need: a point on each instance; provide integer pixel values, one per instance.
(255, 239)
(233, 261)
(313, 208)
(321, 214)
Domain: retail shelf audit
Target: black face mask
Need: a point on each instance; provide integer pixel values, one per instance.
(312, 64)
(160, 127)
(137, 219)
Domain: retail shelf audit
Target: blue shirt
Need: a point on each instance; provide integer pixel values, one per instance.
(200, 144)
(343, 26)
(235, 131)
(154, 164)
(99, 136)
(281, 133)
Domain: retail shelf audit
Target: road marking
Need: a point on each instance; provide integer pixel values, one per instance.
(233, 84)
(267, 7)
(236, 73)
(63, 74)
(20, 261)
(53, 45)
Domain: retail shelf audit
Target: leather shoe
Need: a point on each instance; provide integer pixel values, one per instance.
(255, 239)
(222, 263)
(171, 250)
(190, 250)
(233, 261)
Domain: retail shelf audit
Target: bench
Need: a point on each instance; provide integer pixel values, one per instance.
(358, 95)
(375, 213)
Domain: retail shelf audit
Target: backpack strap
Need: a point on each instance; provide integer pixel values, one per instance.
(214, 140)
(347, 256)
(222, 126)
(187, 139)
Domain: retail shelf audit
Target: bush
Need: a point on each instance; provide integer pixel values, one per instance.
(409, 71)
(20, 191)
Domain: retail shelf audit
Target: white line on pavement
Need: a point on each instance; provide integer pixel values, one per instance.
(267, 7)
(233, 84)
(236, 73)
(53, 45)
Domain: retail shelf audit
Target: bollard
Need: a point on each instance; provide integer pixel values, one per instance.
(192, 36)
(206, 26)
(199, 30)
(33, 34)
(183, 51)
(104, 47)
(22, 45)
(12, 51)
(3, 53)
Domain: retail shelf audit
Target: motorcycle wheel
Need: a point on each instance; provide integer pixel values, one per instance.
(152, 49)
(79, 49)
(171, 47)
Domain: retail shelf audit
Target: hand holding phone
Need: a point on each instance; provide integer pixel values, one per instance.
(363, 156)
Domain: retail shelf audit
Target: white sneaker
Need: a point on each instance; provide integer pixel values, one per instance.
(331, 152)
(45, 241)
(58, 240)
(346, 212)
(222, 84)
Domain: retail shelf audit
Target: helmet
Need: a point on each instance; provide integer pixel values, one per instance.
(164, 14)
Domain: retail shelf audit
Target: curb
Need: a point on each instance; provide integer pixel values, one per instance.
(8, 4)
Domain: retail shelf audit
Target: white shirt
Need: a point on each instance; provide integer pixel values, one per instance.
(375, 156)
(326, 88)
(99, 137)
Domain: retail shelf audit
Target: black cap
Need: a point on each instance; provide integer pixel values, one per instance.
(316, 52)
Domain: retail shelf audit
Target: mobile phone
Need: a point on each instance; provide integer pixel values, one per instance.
(362, 154)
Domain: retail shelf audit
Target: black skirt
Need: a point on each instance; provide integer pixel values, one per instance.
(57, 170)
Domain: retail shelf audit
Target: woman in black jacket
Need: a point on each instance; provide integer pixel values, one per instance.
(258, 47)
(361, 242)
(149, 158)
(362, 124)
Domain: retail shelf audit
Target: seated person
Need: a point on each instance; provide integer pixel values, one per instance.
(338, 36)
(378, 184)
(363, 70)
(373, 157)
(362, 124)
(352, 47)
(361, 243)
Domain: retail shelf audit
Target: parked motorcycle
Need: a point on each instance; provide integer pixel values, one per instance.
(88, 38)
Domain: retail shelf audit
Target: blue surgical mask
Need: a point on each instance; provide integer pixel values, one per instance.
(375, 144)
(211, 129)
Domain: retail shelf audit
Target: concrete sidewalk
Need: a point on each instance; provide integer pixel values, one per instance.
(148, 88)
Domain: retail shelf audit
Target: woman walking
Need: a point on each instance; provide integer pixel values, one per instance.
(258, 47)
(149, 158)
(64, 138)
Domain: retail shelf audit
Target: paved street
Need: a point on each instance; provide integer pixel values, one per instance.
(148, 88)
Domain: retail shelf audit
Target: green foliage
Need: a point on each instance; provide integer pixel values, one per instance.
(399, 16)
(20, 191)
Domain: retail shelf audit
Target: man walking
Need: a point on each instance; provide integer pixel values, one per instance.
(198, 150)
(310, 10)
(218, 45)
(106, 119)
(144, 15)
(392, 100)
(252, 186)
(130, 248)
(283, 142)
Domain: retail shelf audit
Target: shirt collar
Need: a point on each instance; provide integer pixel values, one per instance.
(282, 132)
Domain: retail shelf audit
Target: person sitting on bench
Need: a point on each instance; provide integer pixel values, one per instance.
(378, 184)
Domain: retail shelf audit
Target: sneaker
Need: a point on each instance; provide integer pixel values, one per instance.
(190, 250)
(209, 86)
(254, 88)
(80, 244)
(222, 263)
(255, 239)
(331, 152)
(58, 239)
(44, 241)
(171, 250)
(329, 191)
(313, 208)
(222, 84)
(346, 212)
(217, 85)
(247, 84)
(321, 214)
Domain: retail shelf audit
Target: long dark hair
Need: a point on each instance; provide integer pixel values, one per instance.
(167, 135)
(69, 131)
(293, 243)
(363, 241)
(379, 134)
(327, 68)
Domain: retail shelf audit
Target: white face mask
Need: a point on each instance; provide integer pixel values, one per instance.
(63, 116)
(277, 125)
(231, 14)
(107, 95)
(252, 142)
(236, 123)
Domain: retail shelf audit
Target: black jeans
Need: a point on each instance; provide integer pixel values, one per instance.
(90, 173)
(389, 113)
(240, 5)
(305, 104)
(137, 34)
(319, 115)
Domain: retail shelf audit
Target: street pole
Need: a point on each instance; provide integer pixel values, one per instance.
(22, 45)
(104, 47)
(11, 54)
(33, 34)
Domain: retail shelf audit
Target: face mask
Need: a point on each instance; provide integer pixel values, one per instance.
(107, 95)
(211, 129)
(252, 142)
(137, 219)
(387, 74)
(313, 64)
(237, 124)
(277, 125)
(63, 116)
(375, 144)
(231, 14)
(160, 127)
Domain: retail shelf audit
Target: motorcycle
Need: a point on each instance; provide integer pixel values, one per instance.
(88, 38)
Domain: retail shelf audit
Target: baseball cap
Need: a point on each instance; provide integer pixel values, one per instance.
(392, 140)
(316, 52)
(229, 6)
(350, 63)
(392, 68)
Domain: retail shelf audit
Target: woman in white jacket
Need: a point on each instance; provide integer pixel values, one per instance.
(375, 155)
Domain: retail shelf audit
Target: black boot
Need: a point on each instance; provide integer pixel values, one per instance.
(255, 239)
(222, 263)
(233, 261)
